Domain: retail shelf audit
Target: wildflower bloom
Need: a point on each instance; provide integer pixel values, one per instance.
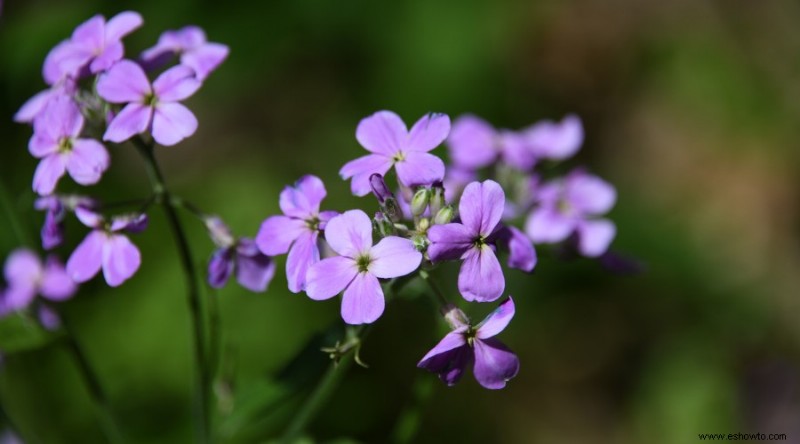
(385, 135)
(253, 269)
(555, 141)
(191, 45)
(473, 144)
(106, 247)
(149, 105)
(297, 230)
(359, 265)
(481, 206)
(56, 208)
(27, 276)
(571, 205)
(34, 106)
(56, 141)
(493, 363)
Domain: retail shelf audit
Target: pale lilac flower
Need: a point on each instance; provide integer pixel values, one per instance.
(27, 276)
(106, 248)
(56, 141)
(473, 144)
(481, 206)
(34, 106)
(385, 135)
(253, 269)
(297, 230)
(493, 363)
(555, 141)
(360, 264)
(571, 205)
(56, 208)
(149, 105)
(191, 45)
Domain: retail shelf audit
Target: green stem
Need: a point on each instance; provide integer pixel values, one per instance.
(436, 290)
(203, 387)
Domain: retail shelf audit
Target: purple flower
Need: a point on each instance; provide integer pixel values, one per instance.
(297, 231)
(27, 276)
(107, 248)
(481, 206)
(555, 141)
(493, 363)
(521, 254)
(56, 208)
(475, 144)
(253, 269)
(148, 105)
(56, 141)
(385, 135)
(195, 51)
(570, 205)
(35, 105)
(360, 264)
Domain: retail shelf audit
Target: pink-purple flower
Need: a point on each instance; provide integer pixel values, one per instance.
(191, 45)
(555, 140)
(359, 266)
(385, 135)
(493, 364)
(571, 206)
(297, 230)
(57, 142)
(241, 257)
(26, 276)
(106, 248)
(473, 144)
(149, 106)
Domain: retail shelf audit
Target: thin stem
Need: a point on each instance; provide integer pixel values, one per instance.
(101, 403)
(436, 290)
(203, 388)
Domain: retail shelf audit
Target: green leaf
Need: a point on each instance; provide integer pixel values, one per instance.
(20, 333)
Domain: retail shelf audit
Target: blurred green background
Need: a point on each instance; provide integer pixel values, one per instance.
(690, 109)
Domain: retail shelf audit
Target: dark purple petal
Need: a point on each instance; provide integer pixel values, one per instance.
(254, 272)
(522, 255)
(86, 260)
(393, 257)
(56, 284)
(47, 174)
(594, 236)
(220, 267)
(277, 234)
(362, 168)
(173, 122)
(52, 230)
(449, 358)
(495, 364)
(350, 233)
(382, 133)
(428, 133)
(130, 223)
(449, 242)
(121, 259)
(548, 225)
(363, 302)
(124, 82)
(481, 278)
(497, 320)
(133, 119)
(481, 206)
(176, 83)
(87, 161)
(302, 256)
(379, 188)
(419, 169)
(329, 277)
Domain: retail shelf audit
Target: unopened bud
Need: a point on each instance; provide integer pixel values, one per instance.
(419, 203)
(454, 316)
(444, 216)
(437, 198)
(219, 232)
(379, 188)
(423, 224)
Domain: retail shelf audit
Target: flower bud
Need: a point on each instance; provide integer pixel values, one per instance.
(437, 198)
(379, 188)
(423, 224)
(383, 225)
(444, 216)
(454, 316)
(219, 232)
(420, 201)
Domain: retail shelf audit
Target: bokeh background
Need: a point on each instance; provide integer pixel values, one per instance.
(691, 109)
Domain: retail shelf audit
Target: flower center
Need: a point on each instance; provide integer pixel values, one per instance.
(469, 335)
(479, 241)
(313, 223)
(399, 156)
(362, 262)
(150, 100)
(64, 145)
(564, 206)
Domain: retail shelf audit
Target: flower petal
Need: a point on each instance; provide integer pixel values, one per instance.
(91, 33)
(428, 133)
(362, 168)
(60, 118)
(363, 302)
(111, 54)
(594, 236)
(382, 133)
(88, 217)
(556, 141)
(172, 123)
(22, 268)
(254, 272)
(277, 234)
(87, 161)
(220, 267)
(589, 194)
(471, 143)
(516, 152)
(56, 284)
(495, 364)
(522, 255)
(449, 241)
(481, 278)
(419, 169)
(548, 225)
(122, 24)
(481, 206)
(47, 174)
(124, 82)
(33, 106)
(176, 83)
(302, 256)
(121, 259)
(451, 341)
(350, 233)
(329, 277)
(133, 119)
(449, 358)
(86, 260)
(497, 320)
(394, 256)
(205, 59)
(303, 199)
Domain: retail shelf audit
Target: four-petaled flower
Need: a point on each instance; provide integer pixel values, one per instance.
(148, 105)
(107, 248)
(56, 141)
(494, 363)
(191, 45)
(27, 276)
(359, 265)
(241, 256)
(385, 135)
(571, 205)
(297, 231)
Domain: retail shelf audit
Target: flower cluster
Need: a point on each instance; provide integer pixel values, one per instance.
(441, 214)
